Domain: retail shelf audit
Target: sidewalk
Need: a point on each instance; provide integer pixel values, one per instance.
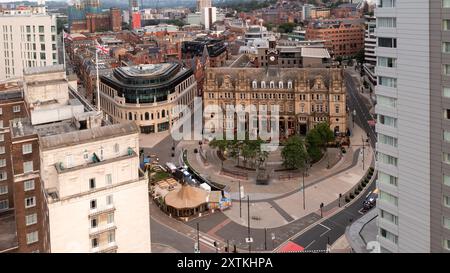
(271, 207)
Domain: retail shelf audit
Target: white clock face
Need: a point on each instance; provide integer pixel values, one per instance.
(272, 58)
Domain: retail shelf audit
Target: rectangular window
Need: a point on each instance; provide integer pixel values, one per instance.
(387, 159)
(388, 198)
(16, 108)
(108, 179)
(387, 140)
(447, 113)
(41, 29)
(28, 185)
(110, 218)
(388, 22)
(27, 148)
(32, 237)
(387, 42)
(3, 175)
(389, 216)
(3, 189)
(94, 242)
(387, 62)
(446, 69)
(2, 150)
(31, 219)
(111, 237)
(27, 166)
(447, 136)
(4, 204)
(30, 202)
(386, 101)
(386, 3)
(447, 180)
(447, 201)
(387, 81)
(93, 204)
(92, 183)
(446, 3)
(446, 47)
(388, 121)
(447, 222)
(446, 24)
(109, 200)
(447, 244)
(94, 222)
(2, 162)
(388, 235)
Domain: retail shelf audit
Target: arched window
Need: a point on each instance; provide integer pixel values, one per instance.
(272, 84)
(280, 84)
(254, 85)
(263, 84)
(289, 84)
(163, 113)
(147, 116)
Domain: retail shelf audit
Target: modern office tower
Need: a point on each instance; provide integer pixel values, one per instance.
(413, 110)
(208, 17)
(26, 40)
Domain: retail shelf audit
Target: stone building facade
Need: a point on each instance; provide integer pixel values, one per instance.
(306, 97)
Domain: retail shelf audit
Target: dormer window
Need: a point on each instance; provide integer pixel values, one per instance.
(280, 85)
(263, 84)
(272, 84)
(254, 85)
(289, 84)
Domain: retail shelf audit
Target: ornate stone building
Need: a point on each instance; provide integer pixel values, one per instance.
(305, 97)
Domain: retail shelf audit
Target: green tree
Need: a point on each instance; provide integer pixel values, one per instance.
(221, 145)
(317, 139)
(325, 133)
(286, 27)
(294, 154)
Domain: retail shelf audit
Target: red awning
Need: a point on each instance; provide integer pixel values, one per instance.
(291, 247)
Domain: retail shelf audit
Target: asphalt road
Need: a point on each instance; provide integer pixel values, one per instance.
(355, 102)
(332, 228)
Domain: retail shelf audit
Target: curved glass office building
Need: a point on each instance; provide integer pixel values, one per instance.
(147, 94)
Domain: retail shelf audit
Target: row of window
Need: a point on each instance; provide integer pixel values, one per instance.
(109, 202)
(271, 84)
(93, 184)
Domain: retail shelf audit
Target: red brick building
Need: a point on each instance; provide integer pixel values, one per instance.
(340, 39)
(23, 204)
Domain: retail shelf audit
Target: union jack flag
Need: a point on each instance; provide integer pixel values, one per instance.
(67, 36)
(102, 49)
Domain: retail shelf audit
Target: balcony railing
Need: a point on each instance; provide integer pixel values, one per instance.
(103, 210)
(102, 229)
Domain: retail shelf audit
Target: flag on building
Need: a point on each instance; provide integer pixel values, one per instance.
(67, 36)
(101, 48)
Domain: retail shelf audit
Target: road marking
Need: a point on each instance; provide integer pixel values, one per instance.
(327, 229)
(310, 244)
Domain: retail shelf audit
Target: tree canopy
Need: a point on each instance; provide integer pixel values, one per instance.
(294, 153)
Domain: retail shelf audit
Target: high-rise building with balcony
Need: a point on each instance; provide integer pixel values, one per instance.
(413, 111)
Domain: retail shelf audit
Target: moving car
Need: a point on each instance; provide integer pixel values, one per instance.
(371, 200)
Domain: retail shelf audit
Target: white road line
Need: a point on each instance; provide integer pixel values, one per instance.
(327, 229)
(310, 244)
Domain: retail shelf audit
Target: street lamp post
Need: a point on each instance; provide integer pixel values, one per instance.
(265, 238)
(321, 208)
(198, 237)
(353, 117)
(363, 145)
(240, 200)
(248, 219)
(340, 196)
(303, 191)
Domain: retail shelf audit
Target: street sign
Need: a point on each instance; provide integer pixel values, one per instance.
(249, 240)
(242, 192)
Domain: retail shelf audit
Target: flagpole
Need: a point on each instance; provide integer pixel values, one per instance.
(98, 85)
